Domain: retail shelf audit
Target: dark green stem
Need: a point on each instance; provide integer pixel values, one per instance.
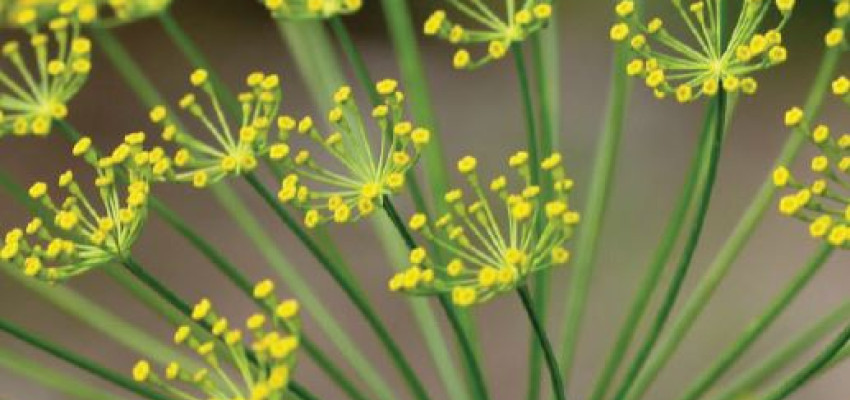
(80, 362)
(645, 374)
(355, 59)
(545, 345)
(810, 370)
(471, 361)
(359, 301)
(528, 110)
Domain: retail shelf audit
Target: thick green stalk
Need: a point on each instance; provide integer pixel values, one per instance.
(718, 269)
(80, 362)
(141, 85)
(412, 66)
(543, 339)
(807, 372)
(198, 60)
(593, 217)
(311, 48)
(50, 378)
(747, 381)
(416, 387)
(649, 370)
(757, 327)
(469, 357)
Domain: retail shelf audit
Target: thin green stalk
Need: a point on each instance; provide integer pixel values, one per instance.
(412, 66)
(646, 372)
(543, 339)
(747, 381)
(727, 255)
(80, 362)
(198, 60)
(417, 389)
(756, 328)
(50, 378)
(311, 49)
(532, 141)
(355, 59)
(478, 383)
(144, 89)
(804, 375)
(593, 217)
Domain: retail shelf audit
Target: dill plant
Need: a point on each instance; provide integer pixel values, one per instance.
(460, 249)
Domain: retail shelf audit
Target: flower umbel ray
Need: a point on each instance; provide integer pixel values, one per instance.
(366, 173)
(711, 57)
(497, 32)
(311, 9)
(234, 148)
(76, 233)
(823, 203)
(35, 92)
(492, 246)
(263, 357)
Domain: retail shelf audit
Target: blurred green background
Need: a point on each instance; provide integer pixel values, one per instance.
(478, 113)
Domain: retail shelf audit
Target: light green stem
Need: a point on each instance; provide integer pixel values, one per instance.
(757, 327)
(50, 378)
(705, 287)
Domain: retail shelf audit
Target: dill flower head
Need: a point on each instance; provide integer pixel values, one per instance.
(311, 9)
(365, 173)
(35, 91)
(131, 10)
(76, 231)
(711, 58)
(496, 29)
(822, 202)
(489, 248)
(233, 148)
(263, 356)
(111, 11)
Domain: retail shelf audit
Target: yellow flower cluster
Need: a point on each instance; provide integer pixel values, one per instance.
(712, 59)
(366, 176)
(836, 36)
(35, 92)
(496, 32)
(823, 203)
(235, 149)
(492, 248)
(311, 9)
(112, 11)
(263, 367)
(77, 232)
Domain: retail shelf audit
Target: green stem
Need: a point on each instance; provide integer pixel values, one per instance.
(198, 60)
(593, 217)
(355, 59)
(649, 370)
(69, 386)
(80, 362)
(757, 327)
(748, 380)
(532, 141)
(722, 263)
(360, 302)
(469, 357)
(543, 339)
(810, 370)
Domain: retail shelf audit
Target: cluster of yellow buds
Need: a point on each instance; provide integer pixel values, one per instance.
(311, 9)
(496, 32)
(110, 11)
(76, 233)
(364, 176)
(35, 92)
(131, 10)
(235, 149)
(264, 366)
(712, 59)
(490, 249)
(823, 203)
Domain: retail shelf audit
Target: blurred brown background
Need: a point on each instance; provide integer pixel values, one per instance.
(478, 112)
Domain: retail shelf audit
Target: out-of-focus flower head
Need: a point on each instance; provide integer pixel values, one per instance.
(492, 29)
(311, 9)
(263, 357)
(366, 172)
(711, 58)
(491, 248)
